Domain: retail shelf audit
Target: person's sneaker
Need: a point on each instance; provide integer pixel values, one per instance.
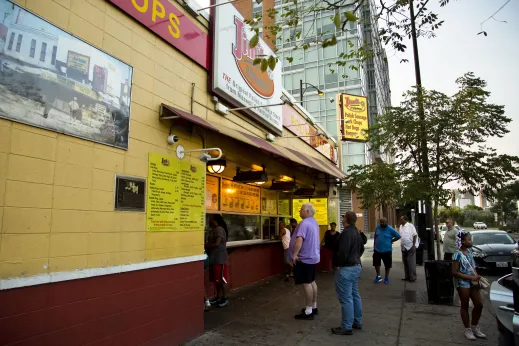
(357, 326)
(405, 279)
(340, 331)
(377, 279)
(215, 300)
(207, 305)
(469, 334)
(304, 316)
(314, 311)
(386, 280)
(223, 303)
(477, 333)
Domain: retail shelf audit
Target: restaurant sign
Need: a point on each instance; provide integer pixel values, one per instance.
(296, 124)
(235, 77)
(168, 22)
(354, 117)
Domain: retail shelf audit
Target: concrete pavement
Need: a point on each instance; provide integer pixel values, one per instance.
(394, 314)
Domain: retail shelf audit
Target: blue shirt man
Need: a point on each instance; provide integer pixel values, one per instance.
(385, 236)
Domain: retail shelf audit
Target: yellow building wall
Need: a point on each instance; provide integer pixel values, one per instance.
(57, 191)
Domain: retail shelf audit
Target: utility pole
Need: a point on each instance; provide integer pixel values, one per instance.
(423, 141)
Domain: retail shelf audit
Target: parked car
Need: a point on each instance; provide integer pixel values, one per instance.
(480, 225)
(502, 300)
(493, 249)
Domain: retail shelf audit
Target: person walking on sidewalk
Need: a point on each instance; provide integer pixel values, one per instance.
(327, 244)
(385, 236)
(449, 241)
(216, 248)
(346, 260)
(464, 274)
(285, 241)
(304, 254)
(408, 244)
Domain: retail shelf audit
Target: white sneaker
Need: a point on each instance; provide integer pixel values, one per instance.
(477, 333)
(469, 334)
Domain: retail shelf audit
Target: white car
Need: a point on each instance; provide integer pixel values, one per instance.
(480, 225)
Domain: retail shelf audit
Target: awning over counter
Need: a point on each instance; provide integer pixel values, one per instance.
(321, 165)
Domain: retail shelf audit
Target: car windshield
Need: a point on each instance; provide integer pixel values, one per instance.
(491, 238)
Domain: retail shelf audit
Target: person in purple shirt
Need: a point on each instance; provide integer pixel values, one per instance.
(304, 253)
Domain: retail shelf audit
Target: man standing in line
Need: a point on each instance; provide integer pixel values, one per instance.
(408, 243)
(385, 236)
(284, 233)
(346, 259)
(449, 241)
(293, 226)
(304, 254)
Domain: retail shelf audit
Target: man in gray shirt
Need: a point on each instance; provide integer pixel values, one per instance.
(449, 240)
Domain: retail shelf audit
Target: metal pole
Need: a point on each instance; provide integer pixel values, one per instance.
(301, 91)
(423, 143)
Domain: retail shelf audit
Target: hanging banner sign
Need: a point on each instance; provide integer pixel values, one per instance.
(354, 117)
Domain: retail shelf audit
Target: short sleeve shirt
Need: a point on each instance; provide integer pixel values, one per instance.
(466, 265)
(407, 232)
(384, 238)
(217, 255)
(310, 253)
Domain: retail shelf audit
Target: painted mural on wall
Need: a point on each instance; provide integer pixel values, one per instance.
(52, 80)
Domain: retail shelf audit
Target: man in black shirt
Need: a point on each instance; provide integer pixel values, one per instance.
(346, 259)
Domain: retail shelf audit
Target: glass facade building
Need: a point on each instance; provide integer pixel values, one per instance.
(313, 66)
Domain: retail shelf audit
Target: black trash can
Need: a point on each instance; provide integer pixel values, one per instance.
(419, 254)
(440, 286)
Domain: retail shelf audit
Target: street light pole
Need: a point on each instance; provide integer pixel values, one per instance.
(423, 141)
(301, 92)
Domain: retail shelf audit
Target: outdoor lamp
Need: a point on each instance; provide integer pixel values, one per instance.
(216, 167)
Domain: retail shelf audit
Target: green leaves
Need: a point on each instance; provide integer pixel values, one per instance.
(271, 63)
(329, 42)
(254, 41)
(256, 61)
(264, 65)
(337, 20)
(351, 16)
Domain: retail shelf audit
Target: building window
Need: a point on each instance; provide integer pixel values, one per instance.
(43, 51)
(19, 42)
(54, 51)
(11, 41)
(33, 48)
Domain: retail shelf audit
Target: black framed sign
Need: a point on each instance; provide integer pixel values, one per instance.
(53, 80)
(130, 193)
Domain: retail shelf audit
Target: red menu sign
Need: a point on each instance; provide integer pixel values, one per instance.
(165, 20)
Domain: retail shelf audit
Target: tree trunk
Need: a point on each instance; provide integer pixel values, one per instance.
(437, 231)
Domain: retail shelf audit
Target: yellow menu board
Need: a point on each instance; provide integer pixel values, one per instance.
(283, 207)
(238, 197)
(296, 207)
(321, 210)
(269, 202)
(176, 196)
(211, 192)
(333, 210)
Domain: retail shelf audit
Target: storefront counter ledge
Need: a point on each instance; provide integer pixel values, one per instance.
(240, 243)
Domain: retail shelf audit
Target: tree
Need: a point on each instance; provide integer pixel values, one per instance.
(342, 13)
(458, 127)
(453, 212)
(505, 202)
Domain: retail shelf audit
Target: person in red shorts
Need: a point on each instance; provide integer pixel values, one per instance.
(327, 246)
(216, 248)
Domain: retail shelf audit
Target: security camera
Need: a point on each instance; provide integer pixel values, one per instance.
(332, 99)
(205, 157)
(172, 139)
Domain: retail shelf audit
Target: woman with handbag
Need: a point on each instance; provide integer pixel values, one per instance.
(468, 283)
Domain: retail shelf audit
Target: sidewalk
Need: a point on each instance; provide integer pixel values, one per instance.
(394, 314)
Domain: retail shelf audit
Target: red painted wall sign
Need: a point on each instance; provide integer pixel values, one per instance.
(165, 20)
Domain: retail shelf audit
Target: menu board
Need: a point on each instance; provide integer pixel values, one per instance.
(211, 192)
(333, 210)
(284, 206)
(296, 207)
(241, 198)
(176, 195)
(321, 210)
(269, 202)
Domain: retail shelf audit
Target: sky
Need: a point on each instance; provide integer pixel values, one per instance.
(458, 49)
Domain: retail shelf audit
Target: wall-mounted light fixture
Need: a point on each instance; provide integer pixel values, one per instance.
(216, 166)
(205, 157)
(258, 177)
(285, 186)
(305, 191)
